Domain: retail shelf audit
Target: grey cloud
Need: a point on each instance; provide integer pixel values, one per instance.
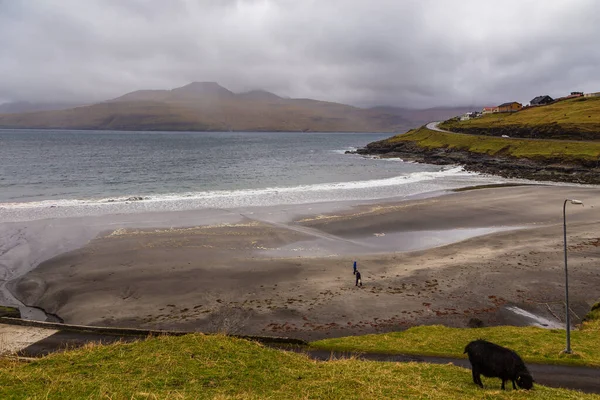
(415, 53)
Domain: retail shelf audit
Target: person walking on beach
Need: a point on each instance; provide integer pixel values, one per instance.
(358, 279)
(354, 268)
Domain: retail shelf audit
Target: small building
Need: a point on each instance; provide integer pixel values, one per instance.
(510, 107)
(489, 110)
(595, 94)
(573, 95)
(470, 115)
(541, 100)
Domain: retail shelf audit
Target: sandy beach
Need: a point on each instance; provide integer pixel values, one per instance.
(493, 254)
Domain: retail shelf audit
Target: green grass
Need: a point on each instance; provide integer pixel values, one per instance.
(592, 318)
(532, 344)
(540, 150)
(216, 367)
(575, 115)
(9, 312)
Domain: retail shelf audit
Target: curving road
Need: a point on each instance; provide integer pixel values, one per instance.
(434, 127)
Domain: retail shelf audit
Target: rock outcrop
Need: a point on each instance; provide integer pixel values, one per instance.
(587, 172)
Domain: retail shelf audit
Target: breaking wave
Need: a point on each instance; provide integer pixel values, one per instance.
(404, 185)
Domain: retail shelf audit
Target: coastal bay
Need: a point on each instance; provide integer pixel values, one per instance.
(288, 270)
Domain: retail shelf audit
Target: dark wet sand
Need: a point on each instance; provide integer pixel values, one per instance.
(294, 278)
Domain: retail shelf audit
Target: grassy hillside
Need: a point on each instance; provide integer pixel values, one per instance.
(210, 107)
(198, 366)
(540, 150)
(577, 119)
(532, 344)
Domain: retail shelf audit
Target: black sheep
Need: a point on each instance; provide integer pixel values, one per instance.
(493, 361)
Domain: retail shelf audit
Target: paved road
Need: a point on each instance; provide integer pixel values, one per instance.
(557, 376)
(14, 338)
(434, 127)
(45, 341)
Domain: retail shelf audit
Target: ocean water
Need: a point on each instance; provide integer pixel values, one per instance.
(50, 173)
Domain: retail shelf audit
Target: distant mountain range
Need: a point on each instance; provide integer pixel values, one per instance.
(25, 106)
(207, 106)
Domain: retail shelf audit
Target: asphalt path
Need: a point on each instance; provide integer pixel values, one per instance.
(433, 126)
(584, 379)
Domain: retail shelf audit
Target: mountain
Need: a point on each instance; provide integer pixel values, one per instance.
(260, 95)
(207, 106)
(25, 106)
(195, 91)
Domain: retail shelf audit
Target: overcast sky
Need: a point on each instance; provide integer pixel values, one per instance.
(415, 53)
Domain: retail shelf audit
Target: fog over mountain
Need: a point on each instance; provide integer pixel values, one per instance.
(208, 106)
(413, 53)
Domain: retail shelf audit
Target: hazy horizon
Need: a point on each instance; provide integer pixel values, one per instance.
(412, 54)
(48, 105)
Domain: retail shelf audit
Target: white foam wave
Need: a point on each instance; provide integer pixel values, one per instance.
(400, 186)
(343, 151)
(241, 193)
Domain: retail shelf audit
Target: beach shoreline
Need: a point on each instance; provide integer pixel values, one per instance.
(288, 270)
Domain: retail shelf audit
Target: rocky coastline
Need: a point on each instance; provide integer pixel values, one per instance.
(508, 167)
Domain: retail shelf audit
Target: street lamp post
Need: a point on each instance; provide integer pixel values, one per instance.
(568, 349)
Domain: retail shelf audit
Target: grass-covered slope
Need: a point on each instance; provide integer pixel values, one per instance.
(524, 158)
(217, 367)
(577, 119)
(539, 150)
(532, 344)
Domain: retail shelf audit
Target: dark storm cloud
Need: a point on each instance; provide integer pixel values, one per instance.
(408, 53)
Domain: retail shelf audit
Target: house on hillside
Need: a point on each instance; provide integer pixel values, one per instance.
(470, 115)
(571, 96)
(489, 110)
(541, 100)
(595, 94)
(510, 107)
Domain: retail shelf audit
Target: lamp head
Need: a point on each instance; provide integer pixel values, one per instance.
(573, 201)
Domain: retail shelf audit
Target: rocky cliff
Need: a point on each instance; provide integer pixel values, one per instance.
(556, 170)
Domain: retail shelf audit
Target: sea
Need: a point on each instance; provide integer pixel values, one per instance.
(56, 173)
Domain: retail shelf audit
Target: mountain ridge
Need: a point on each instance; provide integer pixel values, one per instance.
(208, 106)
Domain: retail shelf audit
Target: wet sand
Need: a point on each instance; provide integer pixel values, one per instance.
(288, 271)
